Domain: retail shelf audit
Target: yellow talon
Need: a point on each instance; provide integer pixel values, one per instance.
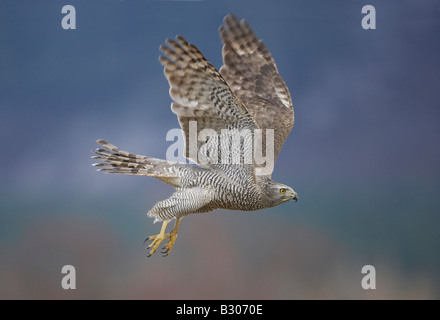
(157, 239)
(173, 236)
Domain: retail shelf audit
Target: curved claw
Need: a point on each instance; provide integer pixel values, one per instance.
(164, 251)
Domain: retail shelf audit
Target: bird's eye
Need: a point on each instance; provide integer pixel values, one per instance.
(282, 190)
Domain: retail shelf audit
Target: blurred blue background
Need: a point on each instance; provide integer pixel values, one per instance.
(364, 154)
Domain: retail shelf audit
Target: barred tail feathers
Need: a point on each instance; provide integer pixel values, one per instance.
(123, 162)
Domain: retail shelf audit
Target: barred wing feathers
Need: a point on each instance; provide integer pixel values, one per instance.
(252, 74)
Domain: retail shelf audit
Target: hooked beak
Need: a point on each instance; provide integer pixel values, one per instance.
(292, 196)
(295, 196)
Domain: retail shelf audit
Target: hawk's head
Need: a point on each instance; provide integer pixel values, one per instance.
(277, 193)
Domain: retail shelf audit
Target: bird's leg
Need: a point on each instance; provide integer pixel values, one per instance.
(157, 239)
(173, 236)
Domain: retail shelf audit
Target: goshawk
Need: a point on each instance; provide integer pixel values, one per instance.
(247, 96)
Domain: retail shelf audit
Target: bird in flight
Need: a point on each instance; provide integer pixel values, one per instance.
(245, 97)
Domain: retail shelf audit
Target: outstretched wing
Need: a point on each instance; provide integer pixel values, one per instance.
(252, 74)
(200, 94)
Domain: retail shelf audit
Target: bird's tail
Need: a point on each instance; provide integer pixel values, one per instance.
(123, 162)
